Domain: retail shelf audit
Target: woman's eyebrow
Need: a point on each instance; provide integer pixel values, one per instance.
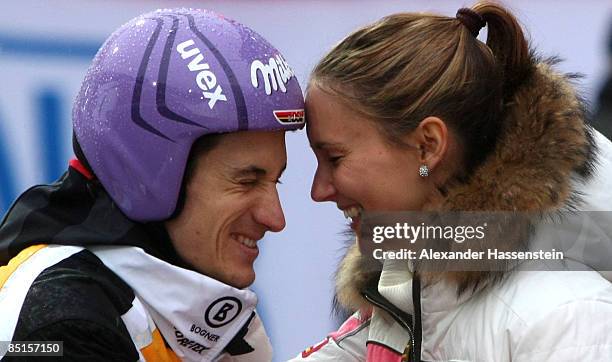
(324, 145)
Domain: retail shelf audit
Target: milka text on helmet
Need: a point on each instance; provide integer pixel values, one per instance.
(275, 74)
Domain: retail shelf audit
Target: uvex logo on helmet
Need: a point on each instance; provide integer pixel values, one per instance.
(205, 78)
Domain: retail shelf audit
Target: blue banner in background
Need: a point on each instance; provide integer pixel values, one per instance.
(8, 189)
(50, 112)
(50, 109)
(41, 46)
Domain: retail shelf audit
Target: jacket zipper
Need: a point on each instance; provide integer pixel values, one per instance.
(395, 316)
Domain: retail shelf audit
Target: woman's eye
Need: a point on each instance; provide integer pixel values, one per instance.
(334, 160)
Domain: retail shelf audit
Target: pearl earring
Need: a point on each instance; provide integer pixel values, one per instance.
(424, 171)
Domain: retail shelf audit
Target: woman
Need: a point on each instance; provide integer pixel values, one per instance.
(413, 112)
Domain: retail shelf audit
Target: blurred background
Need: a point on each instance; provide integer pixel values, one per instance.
(46, 47)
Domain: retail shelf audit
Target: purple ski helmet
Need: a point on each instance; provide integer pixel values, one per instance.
(165, 79)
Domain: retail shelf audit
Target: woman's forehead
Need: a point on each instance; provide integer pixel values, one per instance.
(330, 120)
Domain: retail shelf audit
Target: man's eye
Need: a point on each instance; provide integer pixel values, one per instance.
(249, 182)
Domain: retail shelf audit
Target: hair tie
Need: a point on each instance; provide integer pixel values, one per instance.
(471, 19)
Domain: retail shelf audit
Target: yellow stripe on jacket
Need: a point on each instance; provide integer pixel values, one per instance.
(7, 270)
(157, 350)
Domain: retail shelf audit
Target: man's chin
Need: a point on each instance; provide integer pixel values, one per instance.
(241, 280)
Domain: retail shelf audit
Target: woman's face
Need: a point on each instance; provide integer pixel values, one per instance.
(358, 168)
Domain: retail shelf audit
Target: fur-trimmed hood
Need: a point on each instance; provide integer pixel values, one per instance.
(545, 146)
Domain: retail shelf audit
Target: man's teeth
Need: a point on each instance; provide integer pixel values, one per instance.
(246, 241)
(352, 212)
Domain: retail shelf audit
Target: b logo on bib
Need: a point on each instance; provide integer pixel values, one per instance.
(222, 311)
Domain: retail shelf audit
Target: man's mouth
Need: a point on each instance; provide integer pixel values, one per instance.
(245, 240)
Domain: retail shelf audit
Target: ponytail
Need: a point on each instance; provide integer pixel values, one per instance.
(507, 42)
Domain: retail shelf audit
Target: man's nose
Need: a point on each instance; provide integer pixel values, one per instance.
(269, 212)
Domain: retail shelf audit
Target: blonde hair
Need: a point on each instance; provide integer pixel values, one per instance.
(408, 66)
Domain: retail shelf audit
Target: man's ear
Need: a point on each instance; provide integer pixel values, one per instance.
(431, 138)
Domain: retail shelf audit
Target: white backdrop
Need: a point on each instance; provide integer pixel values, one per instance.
(45, 48)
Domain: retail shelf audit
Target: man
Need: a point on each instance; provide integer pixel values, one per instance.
(142, 249)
